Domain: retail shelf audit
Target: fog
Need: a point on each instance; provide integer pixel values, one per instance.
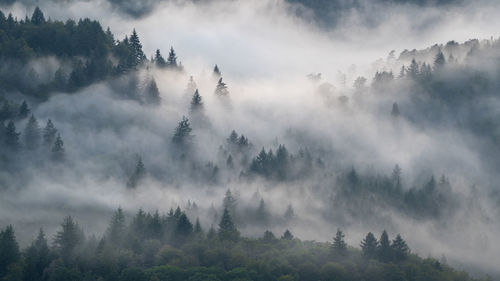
(265, 50)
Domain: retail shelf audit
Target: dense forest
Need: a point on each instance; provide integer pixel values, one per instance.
(318, 174)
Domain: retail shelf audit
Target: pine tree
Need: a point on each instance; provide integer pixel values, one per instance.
(439, 61)
(9, 249)
(138, 175)
(229, 203)
(24, 110)
(159, 60)
(68, 239)
(289, 213)
(399, 248)
(37, 18)
(369, 246)
(49, 134)
(191, 86)
(413, 69)
(136, 47)
(221, 89)
(182, 134)
(11, 137)
(172, 59)
(32, 134)
(396, 177)
(197, 227)
(395, 110)
(217, 72)
(152, 94)
(37, 258)
(227, 229)
(384, 248)
(262, 214)
(58, 152)
(196, 102)
(233, 138)
(116, 229)
(339, 246)
(229, 162)
(183, 229)
(287, 235)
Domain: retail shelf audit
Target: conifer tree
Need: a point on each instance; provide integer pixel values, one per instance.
(196, 102)
(233, 138)
(399, 248)
(37, 18)
(32, 134)
(9, 249)
(68, 239)
(229, 162)
(384, 248)
(138, 174)
(227, 229)
(172, 59)
(49, 134)
(191, 86)
(395, 110)
(369, 246)
(217, 74)
(413, 70)
(152, 94)
(116, 229)
(136, 47)
(197, 227)
(184, 228)
(11, 137)
(289, 213)
(182, 134)
(339, 246)
(262, 214)
(159, 60)
(37, 258)
(439, 61)
(24, 110)
(229, 203)
(221, 89)
(287, 235)
(58, 152)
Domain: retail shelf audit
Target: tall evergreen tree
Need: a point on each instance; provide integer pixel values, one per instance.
(116, 228)
(221, 89)
(136, 47)
(138, 174)
(159, 60)
(37, 258)
(439, 61)
(9, 249)
(172, 59)
(68, 239)
(262, 214)
(152, 94)
(384, 248)
(32, 134)
(339, 246)
(183, 229)
(227, 229)
(197, 227)
(289, 213)
(58, 152)
(217, 72)
(229, 203)
(182, 134)
(49, 134)
(413, 70)
(399, 248)
(37, 18)
(395, 110)
(369, 246)
(233, 138)
(24, 110)
(11, 137)
(287, 235)
(196, 102)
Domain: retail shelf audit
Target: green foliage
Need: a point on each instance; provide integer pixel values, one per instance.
(227, 229)
(339, 246)
(182, 134)
(9, 250)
